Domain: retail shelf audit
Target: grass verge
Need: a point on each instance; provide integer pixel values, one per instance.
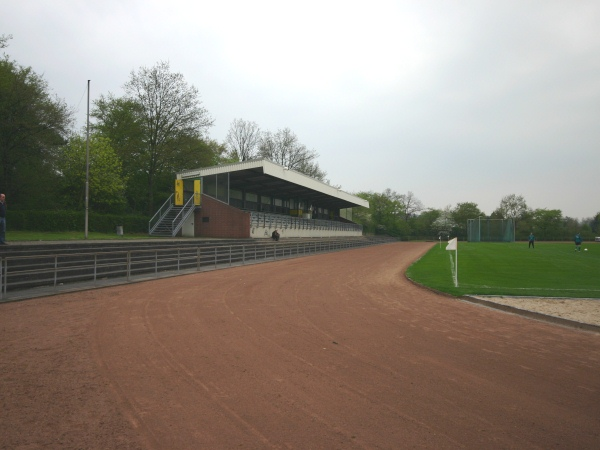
(512, 269)
(17, 236)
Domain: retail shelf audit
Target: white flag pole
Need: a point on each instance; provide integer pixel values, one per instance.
(453, 245)
(456, 281)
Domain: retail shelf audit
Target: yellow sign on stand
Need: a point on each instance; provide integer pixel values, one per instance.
(178, 192)
(197, 192)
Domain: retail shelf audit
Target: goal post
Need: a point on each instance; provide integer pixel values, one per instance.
(483, 229)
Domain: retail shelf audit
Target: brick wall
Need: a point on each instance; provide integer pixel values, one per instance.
(219, 220)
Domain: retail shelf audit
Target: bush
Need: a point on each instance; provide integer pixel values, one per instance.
(74, 221)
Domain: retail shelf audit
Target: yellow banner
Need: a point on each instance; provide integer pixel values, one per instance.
(197, 192)
(178, 192)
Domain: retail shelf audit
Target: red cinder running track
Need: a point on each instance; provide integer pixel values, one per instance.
(327, 351)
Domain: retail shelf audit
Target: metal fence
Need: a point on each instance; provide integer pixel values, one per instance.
(57, 271)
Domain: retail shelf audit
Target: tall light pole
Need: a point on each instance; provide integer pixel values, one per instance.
(87, 162)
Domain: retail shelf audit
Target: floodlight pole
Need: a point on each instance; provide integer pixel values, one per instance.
(87, 163)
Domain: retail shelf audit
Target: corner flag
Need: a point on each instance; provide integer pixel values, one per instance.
(452, 244)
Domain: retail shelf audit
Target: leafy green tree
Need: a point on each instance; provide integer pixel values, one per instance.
(548, 224)
(106, 181)
(384, 215)
(119, 119)
(423, 225)
(572, 226)
(526, 226)
(194, 152)
(460, 215)
(164, 116)
(33, 124)
(595, 224)
(362, 216)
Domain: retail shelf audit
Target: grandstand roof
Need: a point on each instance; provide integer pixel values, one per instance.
(264, 177)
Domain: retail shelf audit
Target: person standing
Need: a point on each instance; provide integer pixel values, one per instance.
(2, 219)
(578, 242)
(531, 240)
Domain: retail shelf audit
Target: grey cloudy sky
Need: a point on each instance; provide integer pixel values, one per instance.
(455, 101)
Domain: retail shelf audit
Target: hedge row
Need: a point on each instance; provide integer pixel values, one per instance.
(74, 221)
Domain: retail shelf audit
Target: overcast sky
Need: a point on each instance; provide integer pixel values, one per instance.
(455, 101)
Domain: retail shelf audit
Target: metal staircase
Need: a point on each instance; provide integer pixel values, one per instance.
(170, 218)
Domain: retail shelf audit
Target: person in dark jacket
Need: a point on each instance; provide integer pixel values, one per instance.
(2, 219)
(275, 235)
(578, 242)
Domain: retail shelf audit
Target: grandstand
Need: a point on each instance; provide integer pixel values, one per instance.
(251, 199)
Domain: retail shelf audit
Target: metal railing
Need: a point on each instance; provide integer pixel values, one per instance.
(52, 272)
(167, 224)
(267, 220)
(177, 222)
(162, 211)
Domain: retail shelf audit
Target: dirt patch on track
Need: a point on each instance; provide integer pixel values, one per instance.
(328, 351)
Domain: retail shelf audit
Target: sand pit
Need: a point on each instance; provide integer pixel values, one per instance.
(578, 310)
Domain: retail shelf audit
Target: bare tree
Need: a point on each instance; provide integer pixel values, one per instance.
(4, 40)
(284, 148)
(313, 170)
(411, 205)
(512, 207)
(242, 140)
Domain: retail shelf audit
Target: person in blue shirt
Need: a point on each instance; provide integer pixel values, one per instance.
(578, 242)
(531, 240)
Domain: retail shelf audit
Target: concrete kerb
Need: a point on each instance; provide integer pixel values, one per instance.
(512, 310)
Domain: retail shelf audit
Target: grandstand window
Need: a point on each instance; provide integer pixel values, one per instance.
(223, 187)
(209, 183)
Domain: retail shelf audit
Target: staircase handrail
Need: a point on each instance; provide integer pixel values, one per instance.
(177, 222)
(166, 206)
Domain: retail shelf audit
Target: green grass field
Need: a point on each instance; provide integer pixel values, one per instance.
(512, 269)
